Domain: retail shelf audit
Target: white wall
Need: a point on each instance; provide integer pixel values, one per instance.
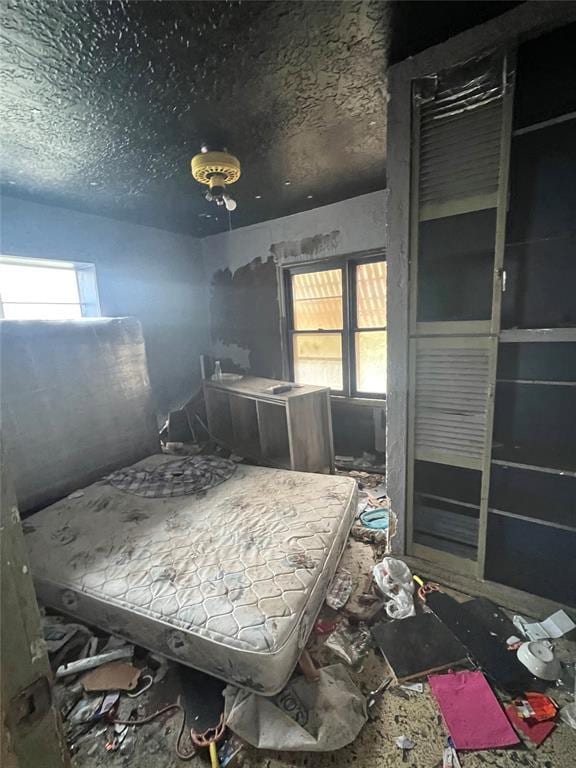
(177, 286)
(244, 312)
(357, 224)
(142, 272)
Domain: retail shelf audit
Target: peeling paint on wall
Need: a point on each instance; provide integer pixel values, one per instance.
(239, 356)
(317, 246)
(240, 267)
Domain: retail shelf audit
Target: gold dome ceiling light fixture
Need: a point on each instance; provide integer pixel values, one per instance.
(217, 170)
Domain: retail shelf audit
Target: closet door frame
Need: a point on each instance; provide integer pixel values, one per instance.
(508, 30)
(485, 330)
(498, 286)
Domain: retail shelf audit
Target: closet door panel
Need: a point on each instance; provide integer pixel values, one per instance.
(461, 134)
(452, 390)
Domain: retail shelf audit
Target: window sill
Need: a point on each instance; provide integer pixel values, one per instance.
(362, 402)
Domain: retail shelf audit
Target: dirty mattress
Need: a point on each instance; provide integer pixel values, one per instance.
(228, 580)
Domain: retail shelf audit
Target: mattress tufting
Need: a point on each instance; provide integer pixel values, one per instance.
(228, 580)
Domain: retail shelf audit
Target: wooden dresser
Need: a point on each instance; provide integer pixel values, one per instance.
(290, 430)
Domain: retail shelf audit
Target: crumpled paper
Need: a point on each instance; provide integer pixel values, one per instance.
(310, 717)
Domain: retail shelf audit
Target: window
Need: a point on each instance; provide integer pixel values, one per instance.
(37, 289)
(337, 326)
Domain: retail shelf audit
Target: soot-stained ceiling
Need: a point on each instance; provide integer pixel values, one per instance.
(104, 103)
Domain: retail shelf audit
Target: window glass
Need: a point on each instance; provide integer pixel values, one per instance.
(347, 302)
(34, 289)
(318, 359)
(371, 295)
(317, 300)
(42, 284)
(371, 362)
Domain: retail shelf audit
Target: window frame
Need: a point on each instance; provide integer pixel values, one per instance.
(347, 264)
(86, 282)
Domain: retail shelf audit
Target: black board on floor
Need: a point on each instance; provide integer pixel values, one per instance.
(486, 647)
(494, 619)
(418, 645)
(202, 699)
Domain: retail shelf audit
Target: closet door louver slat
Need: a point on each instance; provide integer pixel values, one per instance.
(460, 131)
(452, 377)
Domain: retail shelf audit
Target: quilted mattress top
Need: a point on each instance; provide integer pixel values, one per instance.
(234, 564)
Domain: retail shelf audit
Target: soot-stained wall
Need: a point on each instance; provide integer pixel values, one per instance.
(240, 271)
(245, 318)
(143, 272)
(240, 268)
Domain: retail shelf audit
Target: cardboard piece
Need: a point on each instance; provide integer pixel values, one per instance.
(471, 711)
(116, 676)
(555, 626)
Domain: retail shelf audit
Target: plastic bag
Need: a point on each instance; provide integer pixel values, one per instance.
(350, 644)
(568, 714)
(394, 579)
(340, 590)
(310, 717)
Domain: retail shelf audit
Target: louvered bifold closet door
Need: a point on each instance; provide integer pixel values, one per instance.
(460, 139)
(452, 390)
(460, 131)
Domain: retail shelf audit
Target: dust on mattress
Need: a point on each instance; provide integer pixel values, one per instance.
(228, 580)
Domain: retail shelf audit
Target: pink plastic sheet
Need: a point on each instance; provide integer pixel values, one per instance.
(471, 712)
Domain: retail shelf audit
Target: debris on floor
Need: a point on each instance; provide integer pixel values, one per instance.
(325, 626)
(533, 716)
(378, 692)
(91, 662)
(539, 659)
(555, 626)
(229, 749)
(568, 714)
(340, 589)
(114, 676)
(312, 717)
(350, 643)
(363, 667)
(368, 466)
(418, 646)
(471, 711)
(376, 518)
(485, 646)
(395, 582)
(375, 522)
(413, 687)
(405, 744)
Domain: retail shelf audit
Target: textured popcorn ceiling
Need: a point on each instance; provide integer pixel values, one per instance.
(104, 103)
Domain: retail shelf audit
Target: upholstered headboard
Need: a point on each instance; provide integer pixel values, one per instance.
(75, 403)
